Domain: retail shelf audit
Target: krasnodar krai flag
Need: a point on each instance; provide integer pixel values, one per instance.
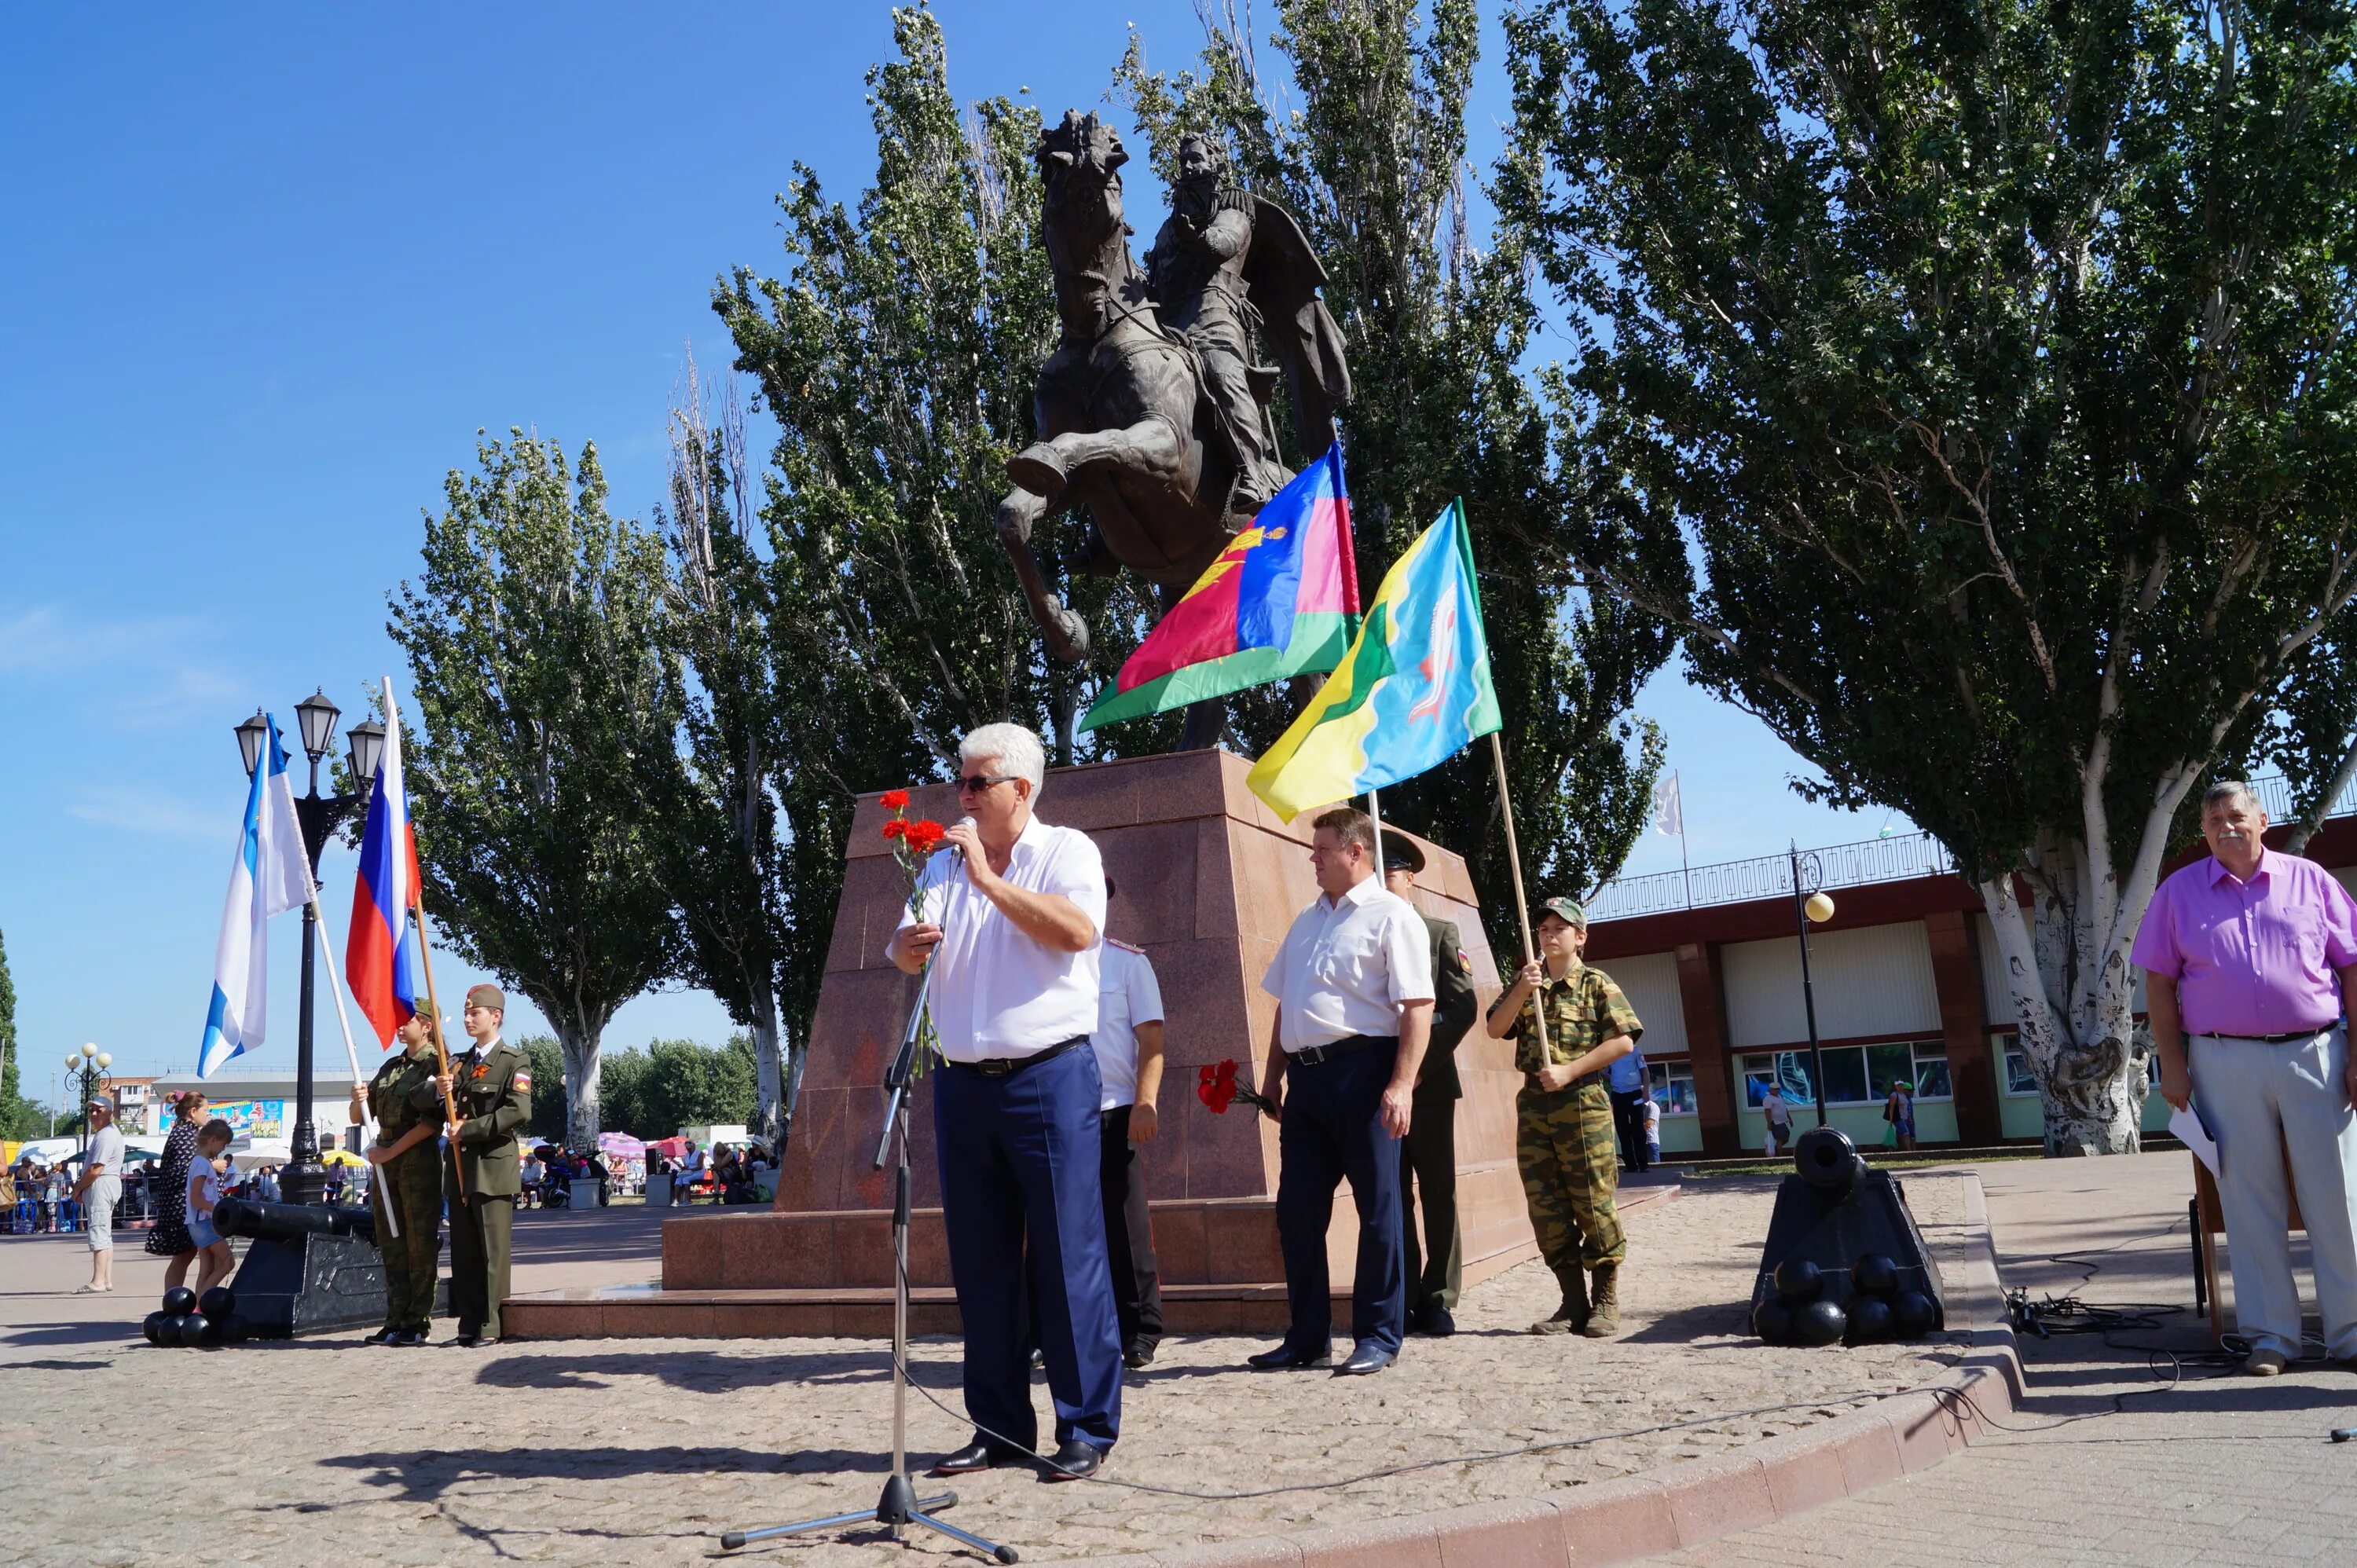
(377, 951)
(269, 877)
(1412, 692)
(1279, 601)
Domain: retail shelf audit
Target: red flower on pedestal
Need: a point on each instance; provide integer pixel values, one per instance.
(893, 800)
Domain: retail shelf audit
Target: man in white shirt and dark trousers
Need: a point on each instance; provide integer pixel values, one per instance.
(1353, 984)
(1014, 909)
(1128, 1043)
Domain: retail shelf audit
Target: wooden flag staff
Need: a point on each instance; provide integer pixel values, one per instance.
(1521, 904)
(441, 1048)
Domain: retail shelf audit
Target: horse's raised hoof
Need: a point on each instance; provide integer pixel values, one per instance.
(1037, 470)
(1068, 637)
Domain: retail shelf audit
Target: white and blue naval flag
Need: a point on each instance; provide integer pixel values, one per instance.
(269, 877)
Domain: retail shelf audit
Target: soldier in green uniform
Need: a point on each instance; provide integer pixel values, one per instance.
(1564, 1133)
(407, 1154)
(492, 1085)
(1428, 1155)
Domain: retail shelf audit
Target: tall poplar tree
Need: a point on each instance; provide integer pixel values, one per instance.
(1373, 162)
(1975, 388)
(546, 691)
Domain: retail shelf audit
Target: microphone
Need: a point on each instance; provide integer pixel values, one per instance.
(956, 851)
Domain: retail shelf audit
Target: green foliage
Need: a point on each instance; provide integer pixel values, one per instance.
(1972, 385)
(548, 1123)
(19, 1117)
(547, 696)
(1373, 162)
(671, 1084)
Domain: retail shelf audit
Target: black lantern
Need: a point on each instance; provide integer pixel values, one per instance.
(250, 737)
(365, 742)
(319, 717)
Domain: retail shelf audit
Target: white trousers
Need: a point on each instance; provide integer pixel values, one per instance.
(2265, 1104)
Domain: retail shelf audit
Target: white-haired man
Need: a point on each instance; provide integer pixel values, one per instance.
(2250, 961)
(1014, 909)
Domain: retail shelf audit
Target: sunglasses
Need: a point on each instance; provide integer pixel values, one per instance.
(975, 784)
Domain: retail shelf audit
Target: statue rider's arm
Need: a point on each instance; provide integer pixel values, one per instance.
(1227, 233)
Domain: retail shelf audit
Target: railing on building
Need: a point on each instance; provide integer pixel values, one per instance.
(1894, 857)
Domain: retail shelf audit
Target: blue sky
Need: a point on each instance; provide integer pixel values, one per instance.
(266, 271)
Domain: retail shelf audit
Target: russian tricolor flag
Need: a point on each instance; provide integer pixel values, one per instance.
(377, 951)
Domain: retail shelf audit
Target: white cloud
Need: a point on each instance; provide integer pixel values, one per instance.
(45, 640)
(142, 811)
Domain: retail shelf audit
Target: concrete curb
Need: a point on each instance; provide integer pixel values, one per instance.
(1637, 1517)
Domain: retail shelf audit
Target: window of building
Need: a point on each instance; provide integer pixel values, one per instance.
(1855, 1075)
(1672, 1084)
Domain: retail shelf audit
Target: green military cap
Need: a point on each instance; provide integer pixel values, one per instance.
(424, 1010)
(1569, 910)
(1401, 852)
(488, 996)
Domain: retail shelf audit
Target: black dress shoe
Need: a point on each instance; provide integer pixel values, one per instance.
(1369, 1357)
(1139, 1353)
(979, 1456)
(408, 1339)
(1434, 1320)
(1075, 1461)
(382, 1337)
(464, 1339)
(1285, 1359)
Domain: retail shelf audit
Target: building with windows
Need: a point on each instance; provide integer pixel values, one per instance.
(1908, 982)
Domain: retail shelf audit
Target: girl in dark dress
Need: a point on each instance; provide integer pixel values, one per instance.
(170, 1238)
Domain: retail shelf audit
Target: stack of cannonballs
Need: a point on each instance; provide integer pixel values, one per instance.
(1802, 1312)
(190, 1320)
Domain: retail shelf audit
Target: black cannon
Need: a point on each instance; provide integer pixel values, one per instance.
(310, 1269)
(1844, 1259)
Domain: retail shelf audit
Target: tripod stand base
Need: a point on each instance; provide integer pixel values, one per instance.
(898, 1507)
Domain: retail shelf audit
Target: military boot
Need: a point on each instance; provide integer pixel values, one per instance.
(1604, 1318)
(1572, 1317)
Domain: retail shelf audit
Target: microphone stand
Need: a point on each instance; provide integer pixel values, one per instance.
(899, 1507)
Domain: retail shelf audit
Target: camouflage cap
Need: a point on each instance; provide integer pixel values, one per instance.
(423, 1010)
(1568, 910)
(488, 996)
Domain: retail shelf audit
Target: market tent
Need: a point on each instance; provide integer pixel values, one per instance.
(621, 1145)
(669, 1148)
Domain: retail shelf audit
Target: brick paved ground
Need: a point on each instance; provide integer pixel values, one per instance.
(2107, 1464)
(640, 1451)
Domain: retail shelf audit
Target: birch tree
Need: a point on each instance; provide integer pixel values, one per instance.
(1971, 384)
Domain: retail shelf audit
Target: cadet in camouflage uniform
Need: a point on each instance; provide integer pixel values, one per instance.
(492, 1084)
(1564, 1136)
(407, 1156)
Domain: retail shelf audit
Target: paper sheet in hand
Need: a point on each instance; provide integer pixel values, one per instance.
(2188, 1127)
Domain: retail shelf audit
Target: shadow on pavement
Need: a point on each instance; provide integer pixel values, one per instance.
(424, 1474)
(705, 1371)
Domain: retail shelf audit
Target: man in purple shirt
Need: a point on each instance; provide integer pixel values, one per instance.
(2250, 958)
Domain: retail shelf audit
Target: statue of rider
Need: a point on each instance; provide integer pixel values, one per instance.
(1196, 272)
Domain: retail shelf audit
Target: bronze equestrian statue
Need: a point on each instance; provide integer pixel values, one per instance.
(1152, 411)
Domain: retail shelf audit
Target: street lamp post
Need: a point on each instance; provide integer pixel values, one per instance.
(1810, 902)
(88, 1064)
(304, 1180)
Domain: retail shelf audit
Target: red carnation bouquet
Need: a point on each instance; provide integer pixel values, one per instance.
(913, 843)
(1219, 1088)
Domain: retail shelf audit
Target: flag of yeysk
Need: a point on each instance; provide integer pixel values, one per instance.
(1278, 602)
(378, 948)
(269, 876)
(1412, 692)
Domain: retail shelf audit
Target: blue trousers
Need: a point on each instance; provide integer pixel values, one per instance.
(1332, 1129)
(1018, 1162)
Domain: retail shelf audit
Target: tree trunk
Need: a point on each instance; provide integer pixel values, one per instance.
(769, 1099)
(2068, 977)
(581, 1067)
(796, 1057)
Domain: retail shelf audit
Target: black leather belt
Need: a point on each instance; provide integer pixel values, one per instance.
(1334, 1051)
(2272, 1039)
(1000, 1066)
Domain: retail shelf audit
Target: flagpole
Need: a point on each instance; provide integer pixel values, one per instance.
(1515, 865)
(352, 1052)
(1375, 811)
(441, 1050)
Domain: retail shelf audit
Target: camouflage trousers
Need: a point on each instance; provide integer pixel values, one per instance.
(412, 1185)
(1564, 1140)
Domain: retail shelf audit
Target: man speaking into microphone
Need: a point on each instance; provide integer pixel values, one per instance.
(1018, 906)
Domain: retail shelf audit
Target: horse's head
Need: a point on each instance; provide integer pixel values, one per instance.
(1080, 165)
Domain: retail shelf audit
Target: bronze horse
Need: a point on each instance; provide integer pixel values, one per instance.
(1127, 429)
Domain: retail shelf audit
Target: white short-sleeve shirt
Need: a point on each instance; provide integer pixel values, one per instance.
(996, 992)
(1127, 996)
(1348, 965)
